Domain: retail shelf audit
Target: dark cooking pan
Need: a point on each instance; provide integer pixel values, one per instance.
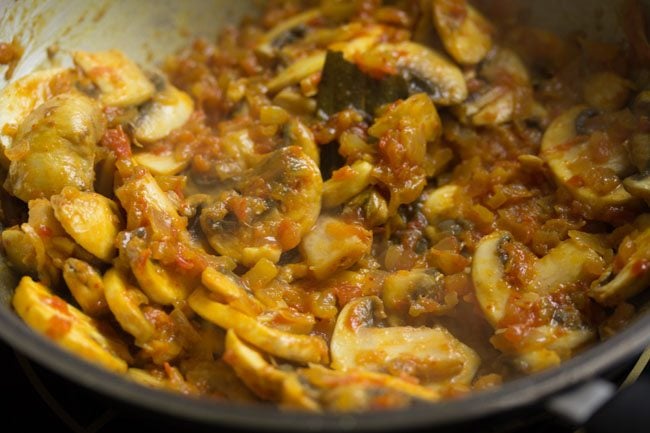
(156, 28)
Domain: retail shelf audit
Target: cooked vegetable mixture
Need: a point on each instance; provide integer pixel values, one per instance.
(344, 205)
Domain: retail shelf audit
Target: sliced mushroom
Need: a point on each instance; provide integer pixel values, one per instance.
(294, 347)
(425, 70)
(295, 102)
(160, 284)
(152, 215)
(298, 134)
(548, 346)
(564, 152)
(539, 346)
(68, 327)
(297, 71)
(170, 380)
(266, 210)
(40, 246)
(232, 292)
(638, 185)
(168, 110)
(91, 219)
(86, 285)
(346, 183)
(464, 32)
(20, 251)
(55, 147)
(147, 205)
(500, 97)
(124, 302)
(431, 355)
(503, 64)
(162, 336)
(567, 263)
(286, 319)
(333, 245)
(265, 380)
(497, 111)
(615, 287)
(19, 98)
(359, 390)
(285, 31)
(493, 107)
(161, 163)
(417, 292)
(122, 83)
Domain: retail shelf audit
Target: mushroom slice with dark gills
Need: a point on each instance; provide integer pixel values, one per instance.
(285, 32)
(86, 286)
(161, 334)
(568, 147)
(503, 93)
(528, 300)
(430, 354)
(415, 293)
(266, 380)
(169, 109)
(120, 81)
(618, 285)
(267, 210)
(465, 33)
